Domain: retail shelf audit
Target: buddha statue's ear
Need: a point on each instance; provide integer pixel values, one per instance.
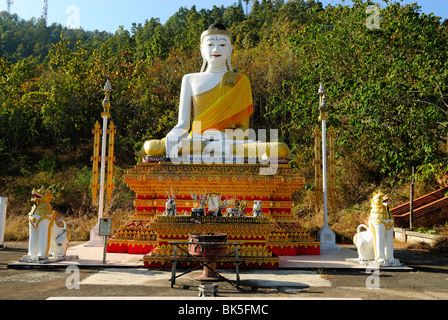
(204, 64)
(229, 61)
(204, 61)
(229, 64)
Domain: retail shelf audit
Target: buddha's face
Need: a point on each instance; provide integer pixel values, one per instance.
(216, 49)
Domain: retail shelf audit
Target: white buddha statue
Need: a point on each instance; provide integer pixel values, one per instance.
(219, 99)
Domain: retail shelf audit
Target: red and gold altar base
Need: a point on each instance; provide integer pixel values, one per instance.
(262, 239)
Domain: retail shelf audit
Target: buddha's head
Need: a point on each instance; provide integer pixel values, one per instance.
(216, 47)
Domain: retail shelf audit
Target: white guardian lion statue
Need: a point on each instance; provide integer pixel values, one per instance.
(46, 239)
(375, 245)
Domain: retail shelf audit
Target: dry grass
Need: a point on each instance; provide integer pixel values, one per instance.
(343, 221)
(17, 228)
(71, 201)
(440, 248)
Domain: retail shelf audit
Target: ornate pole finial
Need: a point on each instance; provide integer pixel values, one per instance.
(322, 103)
(322, 90)
(106, 102)
(107, 87)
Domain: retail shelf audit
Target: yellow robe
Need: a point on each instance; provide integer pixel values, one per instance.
(228, 105)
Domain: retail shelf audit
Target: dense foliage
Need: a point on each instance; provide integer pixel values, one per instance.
(387, 87)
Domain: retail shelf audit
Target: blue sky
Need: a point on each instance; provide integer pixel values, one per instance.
(110, 14)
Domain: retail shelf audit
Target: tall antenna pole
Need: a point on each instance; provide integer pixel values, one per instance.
(8, 5)
(45, 10)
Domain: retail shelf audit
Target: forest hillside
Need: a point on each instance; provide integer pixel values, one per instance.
(387, 98)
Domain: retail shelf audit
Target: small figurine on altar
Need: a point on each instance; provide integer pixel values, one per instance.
(170, 205)
(257, 209)
(376, 243)
(200, 201)
(213, 203)
(46, 239)
(222, 206)
(238, 208)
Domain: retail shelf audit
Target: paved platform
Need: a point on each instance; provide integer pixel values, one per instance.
(92, 257)
(89, 257)
(330, 259)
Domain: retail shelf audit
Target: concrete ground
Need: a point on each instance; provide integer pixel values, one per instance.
(424, 278)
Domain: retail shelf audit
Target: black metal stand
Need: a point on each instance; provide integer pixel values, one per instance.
(204, 263)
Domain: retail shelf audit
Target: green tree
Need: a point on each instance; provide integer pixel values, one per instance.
(386, 87)
(233, 15)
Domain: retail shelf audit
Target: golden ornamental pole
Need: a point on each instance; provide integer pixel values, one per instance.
(95, 159)
(110, 161)
(317, 166)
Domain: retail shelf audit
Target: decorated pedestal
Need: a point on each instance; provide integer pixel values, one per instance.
(252, 233)
(262, 239)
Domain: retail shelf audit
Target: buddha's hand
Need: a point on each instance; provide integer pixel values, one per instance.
(173, 142)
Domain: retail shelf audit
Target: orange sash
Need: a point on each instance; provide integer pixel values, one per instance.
(231, 108)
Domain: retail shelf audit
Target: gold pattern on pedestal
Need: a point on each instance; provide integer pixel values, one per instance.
(230, 180)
